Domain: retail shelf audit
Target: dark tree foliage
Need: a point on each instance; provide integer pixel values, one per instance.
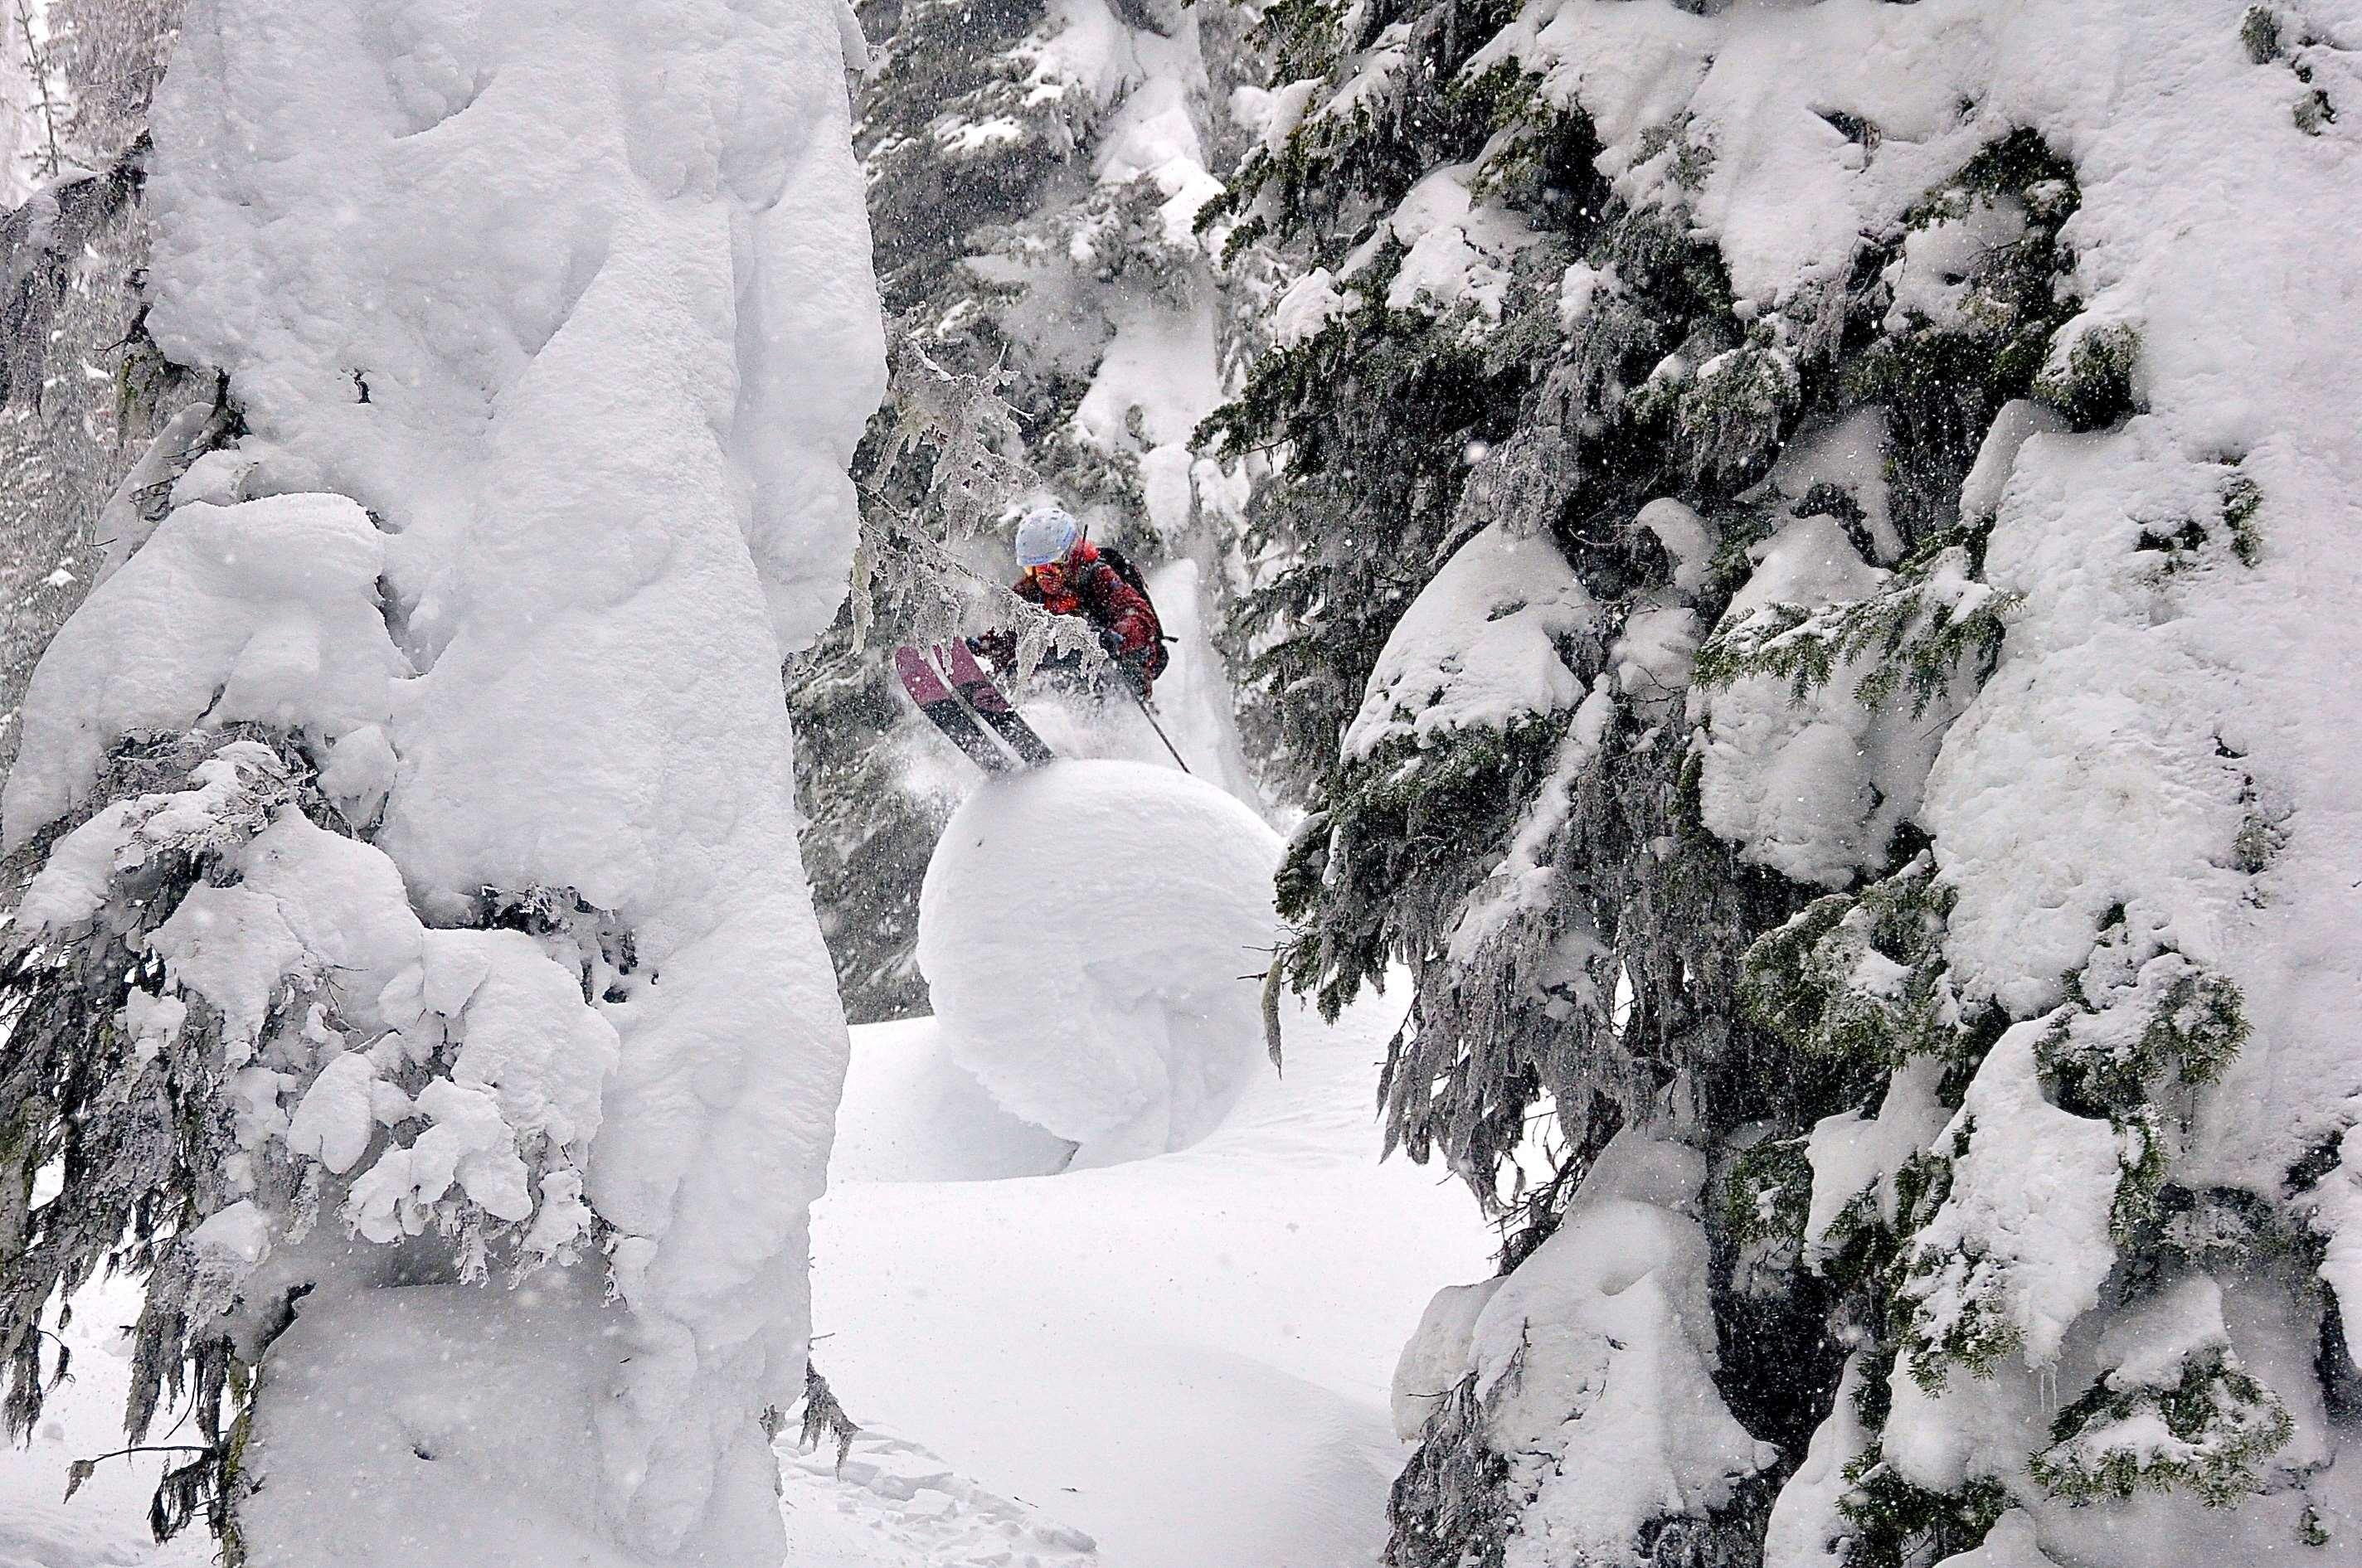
(1654, 982)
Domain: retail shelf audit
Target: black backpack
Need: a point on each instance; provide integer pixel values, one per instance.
(1158, 658)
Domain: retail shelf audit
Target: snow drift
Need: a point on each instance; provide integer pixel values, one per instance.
(1176, 1356)
(1184, 1356)
(1087, 930)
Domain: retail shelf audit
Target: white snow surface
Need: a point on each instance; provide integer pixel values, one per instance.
(1988, 479)
(1084, 929)
(1051, 1363)
(1812, 787)
(105, 1525)
(1178, 1355)
(539, 222)
(1808, 1528)
(1184, 1357)
(1850, 455)
(1459, 252)
(1309, 306)
(1596, 1357)
(2011, 1544)
(468, 1411)
(553, 331)
(1479, 647)
(1437, 1355)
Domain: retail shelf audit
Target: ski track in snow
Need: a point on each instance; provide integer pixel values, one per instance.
(893, 1503)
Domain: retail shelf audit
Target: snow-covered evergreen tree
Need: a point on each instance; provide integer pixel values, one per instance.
(84, 396)
(416, 895)
(1803, 612)
(1034, 171)
(33, 102)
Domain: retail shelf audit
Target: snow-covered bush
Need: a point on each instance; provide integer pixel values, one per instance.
(2174, 1410)
(1591, 1364)
(1858, 978)
(226, 1023)
(1730, 417)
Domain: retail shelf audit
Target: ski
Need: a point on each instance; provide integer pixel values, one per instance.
(944, 709)
(992, 706)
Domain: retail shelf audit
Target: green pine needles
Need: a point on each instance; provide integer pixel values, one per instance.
(1859, 978)
(1932, 620)
(1900, 1525)
(2205, 1432)
(2089, 377)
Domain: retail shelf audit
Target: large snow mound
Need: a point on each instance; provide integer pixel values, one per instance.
(1085, 930)
(485, 1400)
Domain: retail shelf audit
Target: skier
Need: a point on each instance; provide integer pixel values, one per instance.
(1068, 575)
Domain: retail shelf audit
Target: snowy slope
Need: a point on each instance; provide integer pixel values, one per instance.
(106, 1523)
(1186, 1356)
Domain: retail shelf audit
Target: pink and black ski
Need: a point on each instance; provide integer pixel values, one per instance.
(944, 709)
(992, 706)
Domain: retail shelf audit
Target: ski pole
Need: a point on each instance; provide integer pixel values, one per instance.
(1141, 704)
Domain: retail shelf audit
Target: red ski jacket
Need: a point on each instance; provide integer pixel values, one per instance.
(1094, 588)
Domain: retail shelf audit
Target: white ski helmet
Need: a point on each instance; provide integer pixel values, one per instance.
(1048, 533)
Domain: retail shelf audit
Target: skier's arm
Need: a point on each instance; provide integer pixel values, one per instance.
(1123, 612)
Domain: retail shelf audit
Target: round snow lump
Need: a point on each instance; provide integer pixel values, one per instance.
(1084, 929)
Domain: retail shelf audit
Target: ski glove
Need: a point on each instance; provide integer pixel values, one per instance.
(1111, 641)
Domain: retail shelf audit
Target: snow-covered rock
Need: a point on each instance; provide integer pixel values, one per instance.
(1090, 931)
